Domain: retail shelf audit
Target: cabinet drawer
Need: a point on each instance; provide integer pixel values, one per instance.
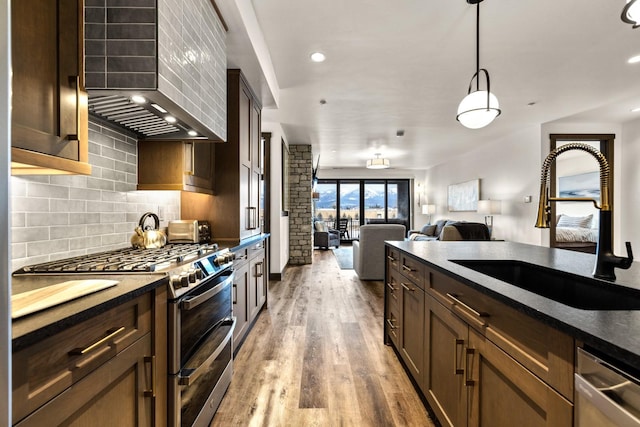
(394, 290)
(545, 351)
(393, 259)
(254, 250)
(413, 270)
(242, 257)
(45, 369)
(392, 326)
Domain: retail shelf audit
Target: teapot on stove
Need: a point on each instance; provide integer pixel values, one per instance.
(146, 237)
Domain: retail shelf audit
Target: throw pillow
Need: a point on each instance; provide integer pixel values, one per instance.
(575, 221)
(321, 226)
(428, 229)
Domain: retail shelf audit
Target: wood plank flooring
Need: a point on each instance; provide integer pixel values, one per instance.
(315, 357)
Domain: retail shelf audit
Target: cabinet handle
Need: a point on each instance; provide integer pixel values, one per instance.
(456, 369)
(391, 326)
(472, 310)
(75, 81)
(468, 366)
(390, 286)
(260, 272)
(110, 334)
(408, 288)
(152, 361)
(405, 268)
(390, 258)
(235, 293)
(191, 169)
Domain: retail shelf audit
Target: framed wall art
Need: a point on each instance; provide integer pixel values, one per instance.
(464, 197)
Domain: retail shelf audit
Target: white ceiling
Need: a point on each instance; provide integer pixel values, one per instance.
(407, 64)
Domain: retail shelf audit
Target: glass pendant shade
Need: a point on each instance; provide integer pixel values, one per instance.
(631, 13)
(475, 111)
(378, 163)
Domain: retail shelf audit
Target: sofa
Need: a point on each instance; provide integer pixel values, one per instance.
(325, 237)
(368, 251)
(448, 230)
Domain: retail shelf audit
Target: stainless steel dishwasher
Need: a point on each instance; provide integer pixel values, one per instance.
(605, 395)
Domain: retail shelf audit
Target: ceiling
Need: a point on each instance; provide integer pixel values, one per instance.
(406, 65)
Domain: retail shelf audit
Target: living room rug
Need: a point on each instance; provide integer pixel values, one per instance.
(344, 256)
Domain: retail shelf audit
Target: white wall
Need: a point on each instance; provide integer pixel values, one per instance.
(509, 170)
(628, 204)
(279, 240)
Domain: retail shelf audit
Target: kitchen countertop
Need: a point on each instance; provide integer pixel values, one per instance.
(613, 332)
(34, 327)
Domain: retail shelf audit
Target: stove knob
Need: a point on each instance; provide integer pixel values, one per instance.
(192, 276)
(219, 261)
(175, 281)
(199, 274)
(184, 279)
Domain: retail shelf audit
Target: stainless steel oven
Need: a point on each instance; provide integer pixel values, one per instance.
(201, 342)
(605, 395)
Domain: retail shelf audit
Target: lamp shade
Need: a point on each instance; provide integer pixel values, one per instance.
(631, 13)
(489, 207)
(378, 163)
(428, 209)
(475, 111)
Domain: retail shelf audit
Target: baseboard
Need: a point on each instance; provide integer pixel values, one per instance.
(278, 276)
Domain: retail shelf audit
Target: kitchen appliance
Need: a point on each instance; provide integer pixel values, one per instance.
(200, 342)
(189, 231)
(605, 395)
(146, 237)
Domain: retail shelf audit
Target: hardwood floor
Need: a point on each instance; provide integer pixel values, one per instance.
(315, 357)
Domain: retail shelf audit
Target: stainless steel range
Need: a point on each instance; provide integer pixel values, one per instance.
(200, 318)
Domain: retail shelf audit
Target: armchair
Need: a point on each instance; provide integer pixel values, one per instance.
(368, 252)
(325, 237)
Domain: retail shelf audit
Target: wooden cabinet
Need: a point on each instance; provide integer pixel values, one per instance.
(176, 165)
(483, 363)
(238, 170)
(49, 104)
(108, 370)
(257, 288)
(240, 300)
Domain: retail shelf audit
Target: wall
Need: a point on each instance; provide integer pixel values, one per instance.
(300, 214)
(55, 217)
(508, 169)
(279, 239)
(628, 203)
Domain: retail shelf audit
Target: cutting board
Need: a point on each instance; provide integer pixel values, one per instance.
(39, 299)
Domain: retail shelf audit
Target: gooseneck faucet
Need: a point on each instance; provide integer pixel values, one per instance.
(606, 260)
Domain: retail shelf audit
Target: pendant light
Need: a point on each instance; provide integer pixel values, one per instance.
(631, 13)
(480, 107)
(378, 163)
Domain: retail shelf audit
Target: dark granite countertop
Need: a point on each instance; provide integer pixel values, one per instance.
(34, 327)
(613, 332)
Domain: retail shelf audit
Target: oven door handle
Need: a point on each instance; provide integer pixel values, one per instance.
(191, 302)
(187, 376)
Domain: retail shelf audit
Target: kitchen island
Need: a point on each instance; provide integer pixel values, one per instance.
(475, 345)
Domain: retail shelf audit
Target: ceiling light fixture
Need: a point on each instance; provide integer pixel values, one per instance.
(138, 99)
(192, 132)
(170, 119)
(634, 59)
(378, 163)
(631, 13)
(318, 57)
(478, 108)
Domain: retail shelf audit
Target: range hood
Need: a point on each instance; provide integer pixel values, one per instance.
(157, 67)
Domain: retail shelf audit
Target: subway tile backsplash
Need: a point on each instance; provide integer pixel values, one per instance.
(62, 216)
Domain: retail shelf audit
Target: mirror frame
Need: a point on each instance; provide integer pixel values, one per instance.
(606, 148)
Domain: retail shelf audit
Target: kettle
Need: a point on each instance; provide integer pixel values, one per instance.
(146, 237)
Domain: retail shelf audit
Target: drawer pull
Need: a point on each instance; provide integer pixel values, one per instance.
(468, 366)
(390, 258)
(456, 369)
(391, 326)
(152, 361)
(475, 312)
(111, 333)
(390, 286)
(408, 288)
(405, 268)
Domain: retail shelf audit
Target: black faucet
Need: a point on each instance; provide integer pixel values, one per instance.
(606, 260)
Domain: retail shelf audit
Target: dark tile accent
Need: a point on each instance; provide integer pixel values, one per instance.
(95, 47)
(134, 48)
(131, 15)
(131, 81)
(94, 64)
(95, 80)
(95, 31)
(131, 3)
(136, 64)
(94, 15)
(131, 31)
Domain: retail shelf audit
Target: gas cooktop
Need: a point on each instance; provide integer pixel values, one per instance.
(126, 260)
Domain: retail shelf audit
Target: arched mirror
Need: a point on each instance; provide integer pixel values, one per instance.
(574, 225)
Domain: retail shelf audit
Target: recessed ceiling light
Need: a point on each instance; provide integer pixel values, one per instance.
(192, 133)
(636, 110)
(138, 99)
(634, 59)
(318, 57)
(170, 119)
(159, 108)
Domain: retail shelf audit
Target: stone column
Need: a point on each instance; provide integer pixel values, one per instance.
(300, 213)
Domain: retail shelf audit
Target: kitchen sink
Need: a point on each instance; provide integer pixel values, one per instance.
(569, 289)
